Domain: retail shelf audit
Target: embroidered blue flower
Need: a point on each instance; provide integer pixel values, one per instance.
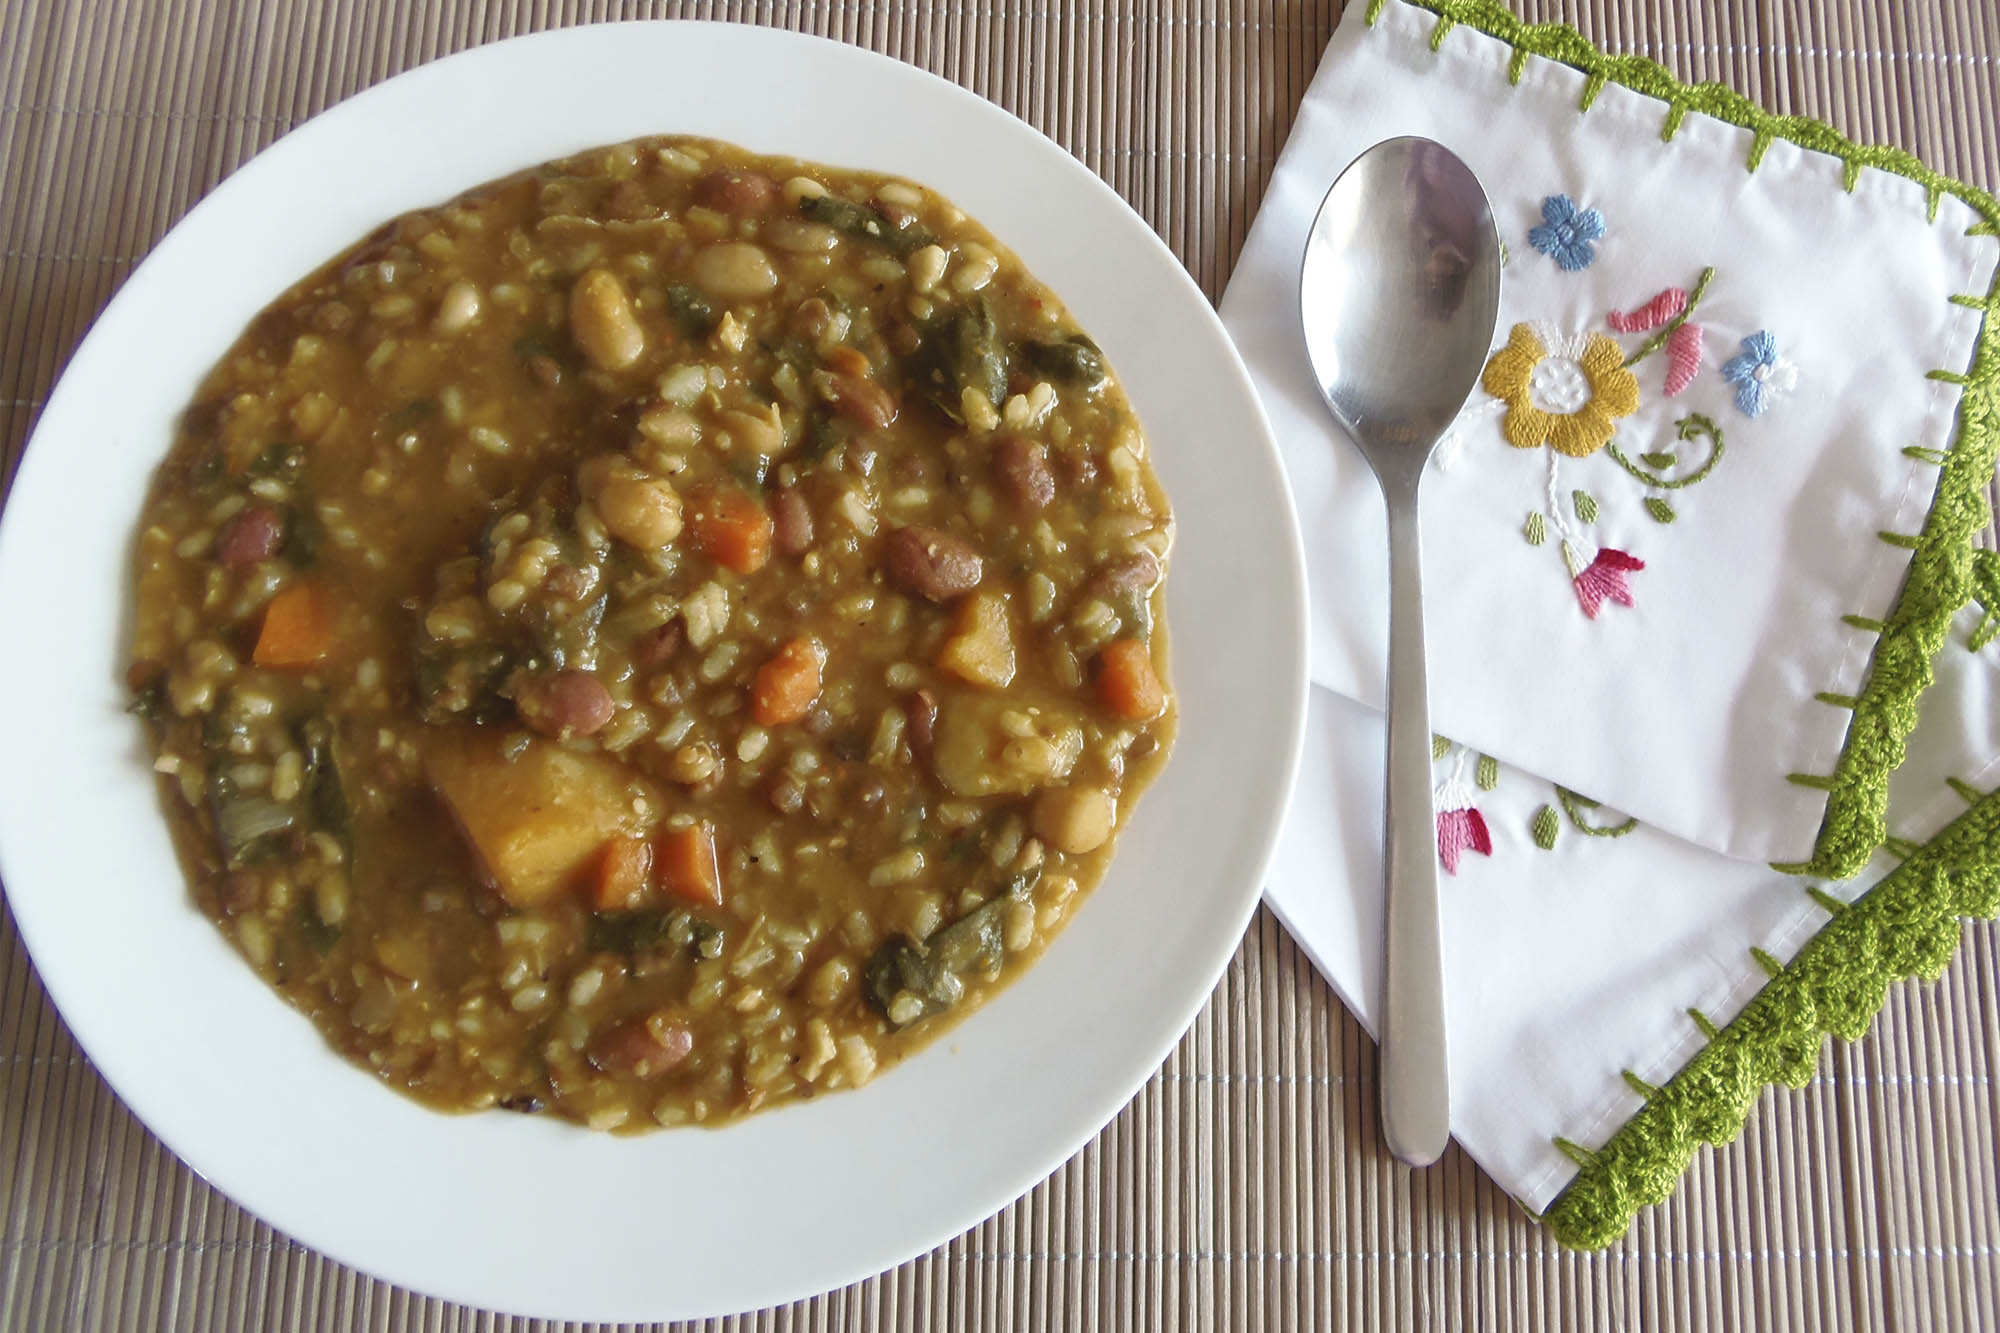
(1567, 231)
(1759, 374)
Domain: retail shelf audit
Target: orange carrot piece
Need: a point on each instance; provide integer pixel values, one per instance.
(622, 874)
(732, 528)
(689, 868)
(788, 684)
(298, 627)
(1126, 681)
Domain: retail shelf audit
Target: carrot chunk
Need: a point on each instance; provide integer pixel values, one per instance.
(689, 868)
(622, 875)
(298, 627)
(788, 684)
(1126, 681)
(732, 528)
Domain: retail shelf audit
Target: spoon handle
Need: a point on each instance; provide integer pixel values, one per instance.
(1415, 1082)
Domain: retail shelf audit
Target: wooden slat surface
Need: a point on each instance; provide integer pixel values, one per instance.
(1245, 1187)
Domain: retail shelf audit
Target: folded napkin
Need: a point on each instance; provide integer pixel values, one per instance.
(1694, 551)
(1652, 564)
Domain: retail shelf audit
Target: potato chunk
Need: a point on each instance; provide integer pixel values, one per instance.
(535, 821)
(981, 648)
(993, 747)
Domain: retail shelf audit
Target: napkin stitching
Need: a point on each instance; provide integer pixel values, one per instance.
(1937, 580)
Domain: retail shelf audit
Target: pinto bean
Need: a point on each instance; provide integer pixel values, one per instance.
(812, 318)
(859, 399)
(656, 647)
(791, 522)
(564, 704)
(1023, 468)
(739, 193)
(647, 1046)
(570, 582)
(254, 534)
(1136, 573)
(933, 564)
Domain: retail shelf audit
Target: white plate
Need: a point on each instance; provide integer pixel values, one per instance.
(531, 1215)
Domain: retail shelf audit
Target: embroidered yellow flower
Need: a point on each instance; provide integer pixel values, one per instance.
(1563, 392)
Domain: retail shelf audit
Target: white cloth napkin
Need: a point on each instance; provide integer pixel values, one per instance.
(1670, 668)
(1661, 646)
(1567, 966)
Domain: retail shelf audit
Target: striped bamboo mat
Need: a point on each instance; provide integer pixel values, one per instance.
(1245, 1187)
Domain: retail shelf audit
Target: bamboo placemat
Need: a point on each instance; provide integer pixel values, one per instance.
(1245, 1187)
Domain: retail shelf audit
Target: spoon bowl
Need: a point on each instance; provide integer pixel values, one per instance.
(1399, 296)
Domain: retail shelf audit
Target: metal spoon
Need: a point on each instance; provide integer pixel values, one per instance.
(1399, 294)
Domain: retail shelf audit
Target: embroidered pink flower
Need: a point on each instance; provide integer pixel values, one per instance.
(1602, 578)
(1671, 310)
(1460, 831)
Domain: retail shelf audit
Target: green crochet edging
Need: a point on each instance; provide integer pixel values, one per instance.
(1905, 926)
(1939, 578)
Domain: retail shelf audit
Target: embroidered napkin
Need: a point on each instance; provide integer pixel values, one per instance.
(1664, 536)
(1696, 547)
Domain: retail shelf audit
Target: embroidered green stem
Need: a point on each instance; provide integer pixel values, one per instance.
(1939, 575)
(1578, 807)
(1693, 426)
(1666, 331)
(1907, 925)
